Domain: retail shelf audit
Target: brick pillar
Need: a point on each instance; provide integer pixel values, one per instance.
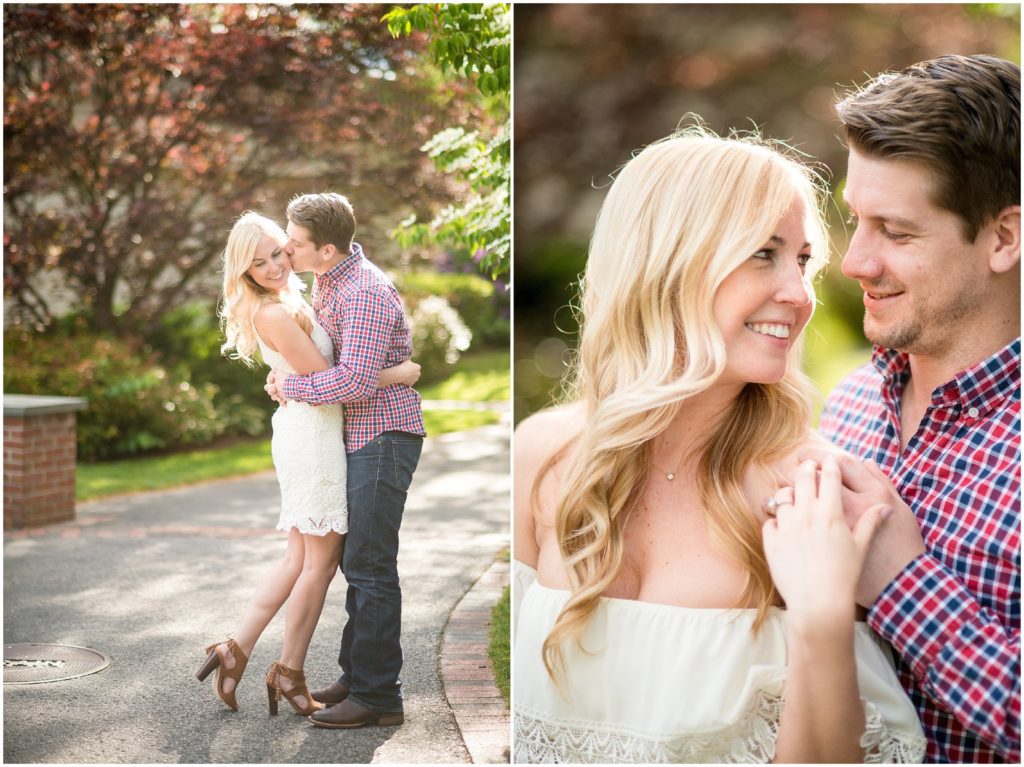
(39, 459)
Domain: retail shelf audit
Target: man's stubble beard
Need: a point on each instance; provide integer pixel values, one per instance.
(926, 333)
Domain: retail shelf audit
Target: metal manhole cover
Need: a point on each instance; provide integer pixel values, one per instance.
(36, 663)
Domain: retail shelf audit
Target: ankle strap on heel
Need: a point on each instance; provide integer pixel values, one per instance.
(296, 676)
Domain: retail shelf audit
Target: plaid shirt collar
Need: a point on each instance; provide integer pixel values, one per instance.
(977, 390)
(341, 271)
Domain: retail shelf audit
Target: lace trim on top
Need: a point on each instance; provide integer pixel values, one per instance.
(750, 740)
(884, 746)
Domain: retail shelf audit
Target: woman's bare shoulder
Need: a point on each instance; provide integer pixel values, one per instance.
(539, 450)
(272, 323)
(540, 436)
(271, 319)
(272, 313)
(541, 445)
(560, 417)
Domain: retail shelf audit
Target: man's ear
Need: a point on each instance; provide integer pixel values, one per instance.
(330, 250)
(1006, 232)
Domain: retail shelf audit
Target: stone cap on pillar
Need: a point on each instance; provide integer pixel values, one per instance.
(22, 405)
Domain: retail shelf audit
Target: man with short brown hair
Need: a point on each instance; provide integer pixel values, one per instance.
(326, 218)
(934, 188)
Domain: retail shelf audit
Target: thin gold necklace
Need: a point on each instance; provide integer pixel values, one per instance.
(670, 475)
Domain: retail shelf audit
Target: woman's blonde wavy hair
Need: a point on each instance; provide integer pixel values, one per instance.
(678, 219)
(242, 297)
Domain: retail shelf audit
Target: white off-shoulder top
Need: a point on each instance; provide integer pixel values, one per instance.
(660, 683)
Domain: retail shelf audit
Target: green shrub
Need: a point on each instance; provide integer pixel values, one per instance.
(483, 306)
(134, 403)
(176, 389)
(189, 340)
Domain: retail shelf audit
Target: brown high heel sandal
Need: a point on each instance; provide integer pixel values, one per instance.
(299, 689)
(213, 662)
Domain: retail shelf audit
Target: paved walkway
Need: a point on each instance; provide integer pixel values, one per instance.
(151, 579)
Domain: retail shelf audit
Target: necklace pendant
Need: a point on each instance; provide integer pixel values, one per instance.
(670, 477)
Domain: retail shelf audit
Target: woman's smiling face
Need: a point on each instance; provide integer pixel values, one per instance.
(764, 304)
(270, 267)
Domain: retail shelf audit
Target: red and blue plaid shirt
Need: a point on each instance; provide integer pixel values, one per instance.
(361, 311)
(953, 614)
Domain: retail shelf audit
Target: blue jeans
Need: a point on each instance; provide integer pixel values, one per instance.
(379, 475)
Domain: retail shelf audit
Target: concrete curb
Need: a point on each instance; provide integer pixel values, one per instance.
(467, 675)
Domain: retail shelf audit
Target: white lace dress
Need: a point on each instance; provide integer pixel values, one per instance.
(308, 448)
(673, 684)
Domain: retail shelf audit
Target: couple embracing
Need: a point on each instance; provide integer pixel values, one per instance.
(694, 564)
(346, 441)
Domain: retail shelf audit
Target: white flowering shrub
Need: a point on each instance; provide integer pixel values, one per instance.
(439, 336)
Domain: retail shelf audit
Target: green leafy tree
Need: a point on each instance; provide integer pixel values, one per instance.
(471, 40)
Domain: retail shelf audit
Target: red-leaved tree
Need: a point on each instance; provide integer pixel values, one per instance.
(135, 134)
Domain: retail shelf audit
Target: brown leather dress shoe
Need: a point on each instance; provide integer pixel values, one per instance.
(348, 715)
(331, 696)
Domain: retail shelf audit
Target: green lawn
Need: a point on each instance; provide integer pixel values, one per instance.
(446, 421)
(499, 646)
(479, 377)
(94, 480)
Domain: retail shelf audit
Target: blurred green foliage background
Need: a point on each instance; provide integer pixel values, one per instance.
(595, 83)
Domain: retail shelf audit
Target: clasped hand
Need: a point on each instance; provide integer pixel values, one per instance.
(814, 556)
(898, 541)
(275, 379)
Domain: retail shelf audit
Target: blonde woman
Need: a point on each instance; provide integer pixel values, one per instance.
(661, 614)
(263, 309)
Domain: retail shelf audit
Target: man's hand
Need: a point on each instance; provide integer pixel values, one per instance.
(275, 380)
(896, 543)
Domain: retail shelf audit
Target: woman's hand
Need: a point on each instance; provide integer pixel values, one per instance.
(407, 373)
(275, 380)
(897, 544)
(814, 557)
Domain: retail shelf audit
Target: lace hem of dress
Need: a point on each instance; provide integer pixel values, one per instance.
(318, 527)
(750, 740)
